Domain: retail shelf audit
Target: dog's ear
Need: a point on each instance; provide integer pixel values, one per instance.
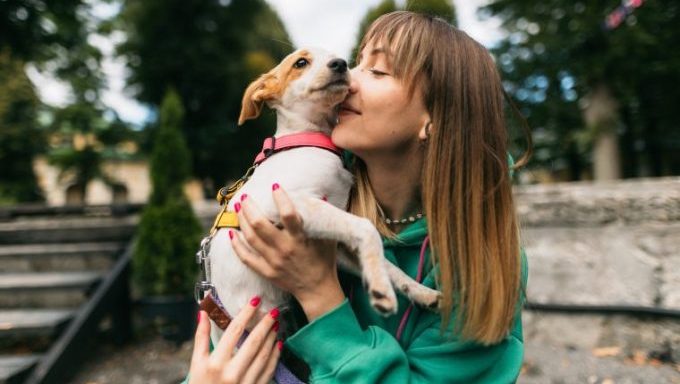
(266, 87)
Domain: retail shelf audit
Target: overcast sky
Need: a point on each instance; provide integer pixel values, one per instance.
(331, 24)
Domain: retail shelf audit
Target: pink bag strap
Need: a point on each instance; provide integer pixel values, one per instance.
(419, 279)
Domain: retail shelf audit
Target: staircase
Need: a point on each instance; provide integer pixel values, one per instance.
(57, 284)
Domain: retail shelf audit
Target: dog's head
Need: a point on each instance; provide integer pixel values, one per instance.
(308, 83)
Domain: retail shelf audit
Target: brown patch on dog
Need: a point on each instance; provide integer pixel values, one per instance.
(270, 86)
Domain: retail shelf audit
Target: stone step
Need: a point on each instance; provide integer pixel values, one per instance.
(32, 322)
(31, 330)
(67, 230)
(58, 257)
(13, 368)
(48, 289)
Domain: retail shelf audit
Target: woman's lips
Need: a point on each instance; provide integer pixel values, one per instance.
(348, 109)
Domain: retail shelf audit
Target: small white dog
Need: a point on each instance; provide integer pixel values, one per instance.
(305, 90)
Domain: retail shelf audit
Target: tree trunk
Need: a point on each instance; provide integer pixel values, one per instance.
(600, 112)
(606, 159)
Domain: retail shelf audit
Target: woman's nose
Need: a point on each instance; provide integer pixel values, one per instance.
(353, 84)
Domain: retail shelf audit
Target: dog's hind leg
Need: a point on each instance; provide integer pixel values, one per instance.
(417, 293)
(322, 220)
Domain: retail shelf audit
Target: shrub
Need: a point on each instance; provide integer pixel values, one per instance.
(169, 232)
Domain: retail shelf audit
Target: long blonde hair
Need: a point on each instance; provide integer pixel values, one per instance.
(465, 188)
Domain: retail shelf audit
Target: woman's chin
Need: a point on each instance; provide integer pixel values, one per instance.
(345, 136)
(337, 135)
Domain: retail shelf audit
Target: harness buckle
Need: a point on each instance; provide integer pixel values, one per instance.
(270, 151)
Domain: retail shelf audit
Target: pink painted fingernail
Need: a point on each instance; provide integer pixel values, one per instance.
(274, 313)
(237, 207)
(275, 327)
(244, 196)
(275, 186)
(279, 345)
(231, 234)
(198, 317)
(255, 301)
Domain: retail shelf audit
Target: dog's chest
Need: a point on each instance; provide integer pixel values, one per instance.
(302, 172)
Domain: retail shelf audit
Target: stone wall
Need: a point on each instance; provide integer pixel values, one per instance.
(603, 243)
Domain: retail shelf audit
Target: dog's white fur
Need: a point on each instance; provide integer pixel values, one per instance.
(305, 100)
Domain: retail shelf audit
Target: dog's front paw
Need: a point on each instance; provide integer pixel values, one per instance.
(382, 297)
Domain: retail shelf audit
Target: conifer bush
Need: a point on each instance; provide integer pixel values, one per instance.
(169, 232)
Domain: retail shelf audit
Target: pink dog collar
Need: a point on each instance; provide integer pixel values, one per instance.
(307, 139)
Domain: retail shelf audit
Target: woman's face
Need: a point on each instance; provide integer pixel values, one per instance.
(378, 117)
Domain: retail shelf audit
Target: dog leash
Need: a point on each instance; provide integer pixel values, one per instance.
(211, 304)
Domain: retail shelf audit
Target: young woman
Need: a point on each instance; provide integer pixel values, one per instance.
(425, 126)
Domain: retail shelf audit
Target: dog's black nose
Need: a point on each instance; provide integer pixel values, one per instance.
(338, 65)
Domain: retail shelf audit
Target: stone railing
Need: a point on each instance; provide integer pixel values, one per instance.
(597, 204)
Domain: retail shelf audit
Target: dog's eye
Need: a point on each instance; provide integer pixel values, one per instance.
(300, 63)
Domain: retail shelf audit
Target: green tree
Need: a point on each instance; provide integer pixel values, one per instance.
(54, 37)
(20, 136)
(209, 50)
(82, 139)
(168, 232)
(85, 118)
(580, 83)
(38, 30)
(439, 8)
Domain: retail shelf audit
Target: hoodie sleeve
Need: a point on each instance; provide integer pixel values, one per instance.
(338, 350)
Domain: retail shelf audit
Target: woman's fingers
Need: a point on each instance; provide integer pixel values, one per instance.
(261, 359)
(289, 217)
(255, 262)
(254, 342)
(257, 229)
(201, 340)
(225, 348)
(268, 372)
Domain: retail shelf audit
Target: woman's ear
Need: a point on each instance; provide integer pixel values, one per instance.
(424, 132)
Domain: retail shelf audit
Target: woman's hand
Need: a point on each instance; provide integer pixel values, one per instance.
(306, 268)
(254, 362)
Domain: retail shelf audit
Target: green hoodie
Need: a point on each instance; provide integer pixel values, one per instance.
(353, 344)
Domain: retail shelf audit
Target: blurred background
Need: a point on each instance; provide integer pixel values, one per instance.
(118, 125)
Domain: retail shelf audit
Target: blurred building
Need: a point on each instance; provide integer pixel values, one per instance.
(129, 183)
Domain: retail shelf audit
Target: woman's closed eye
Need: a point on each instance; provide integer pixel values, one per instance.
(377, 72)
